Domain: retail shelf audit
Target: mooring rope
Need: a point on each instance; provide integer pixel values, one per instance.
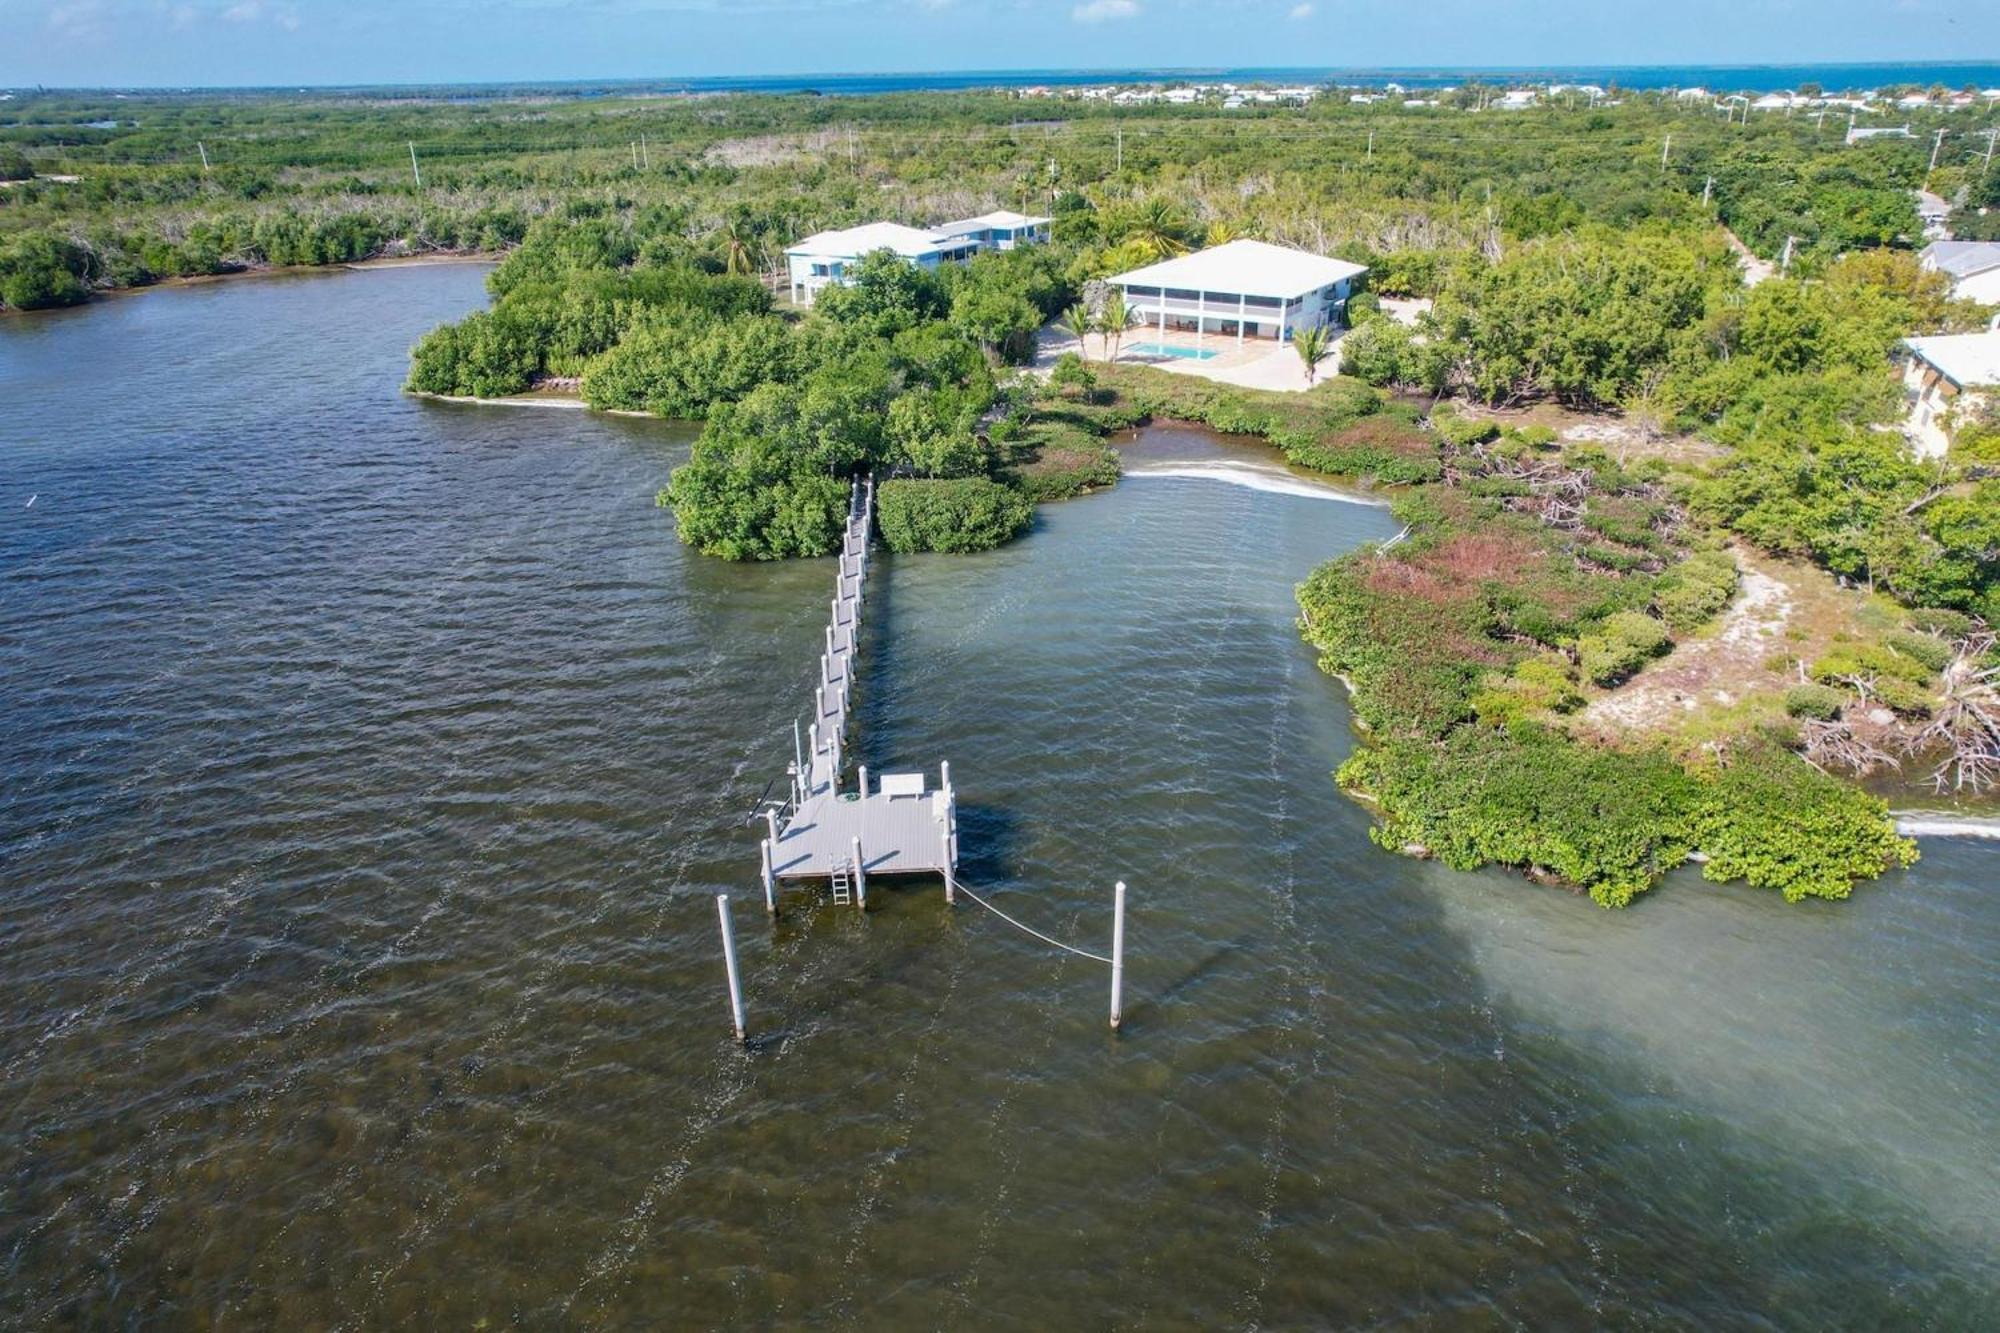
(959, 885)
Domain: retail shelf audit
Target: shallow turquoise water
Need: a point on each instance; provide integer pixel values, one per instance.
(371, 765)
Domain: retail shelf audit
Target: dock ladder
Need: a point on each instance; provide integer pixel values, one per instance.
(843, 883)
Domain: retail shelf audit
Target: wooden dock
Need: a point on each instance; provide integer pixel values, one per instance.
(899, 825)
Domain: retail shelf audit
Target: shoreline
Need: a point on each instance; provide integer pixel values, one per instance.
(436, 260)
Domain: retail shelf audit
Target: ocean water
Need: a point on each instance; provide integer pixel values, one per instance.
(371, 766)
(1721, 78)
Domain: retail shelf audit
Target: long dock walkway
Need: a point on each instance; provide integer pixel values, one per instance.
(901, 826)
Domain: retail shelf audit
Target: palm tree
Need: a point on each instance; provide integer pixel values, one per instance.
(1159, 225)
(1113, 320)
(1220, 233)
(1076, 322)
(1313, 346)
(740, 246)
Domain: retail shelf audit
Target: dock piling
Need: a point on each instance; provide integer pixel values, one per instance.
(729, 962)
(860, 877)
(1117, 954)
(770, 883)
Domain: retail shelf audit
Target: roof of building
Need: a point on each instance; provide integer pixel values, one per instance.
(1962, 259)
(998, 218)
(1251, 268)
(853, 242)
(1969, 360)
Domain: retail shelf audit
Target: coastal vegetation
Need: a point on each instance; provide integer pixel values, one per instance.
(1571, 260)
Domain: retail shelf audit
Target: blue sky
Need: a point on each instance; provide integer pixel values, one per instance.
(211, 42)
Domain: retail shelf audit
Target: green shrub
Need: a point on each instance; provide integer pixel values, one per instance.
(1628, 638)
(1930, 652)
(1463, 432)
(1941, 621)
(38, 271)
(1696, 590)
(1775, 822)
(1819, 702)
(1869, 661)
(1054, 460)
(1605, 820)
(972, 514)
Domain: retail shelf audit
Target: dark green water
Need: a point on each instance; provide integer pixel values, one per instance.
(370, 766)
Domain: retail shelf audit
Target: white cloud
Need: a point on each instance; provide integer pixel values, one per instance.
(1099, 11)
(1304, 11)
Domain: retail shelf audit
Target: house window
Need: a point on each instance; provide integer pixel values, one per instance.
(821, 271)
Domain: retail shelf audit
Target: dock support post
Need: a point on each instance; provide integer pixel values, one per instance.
(832, 657)
(798, 752)
(771, 822)
(729, 961)
(1117, 954)
(860, 877)
(944, 859)
(862, 785)
(770, 883)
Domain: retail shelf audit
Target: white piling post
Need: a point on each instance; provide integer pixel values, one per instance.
(771, 821)
(860, 877)
(729, 961)
(863, 783)
(770, 881)
(836, 610)
(1117, 954)
(831, 655)
(819, 702)
(798, 754)
(944, 856)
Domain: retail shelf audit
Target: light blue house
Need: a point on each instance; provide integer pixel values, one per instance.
(825, 257)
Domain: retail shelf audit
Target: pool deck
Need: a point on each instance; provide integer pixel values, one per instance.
(1256, 364)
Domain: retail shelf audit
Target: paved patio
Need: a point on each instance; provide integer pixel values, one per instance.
(1257, 364)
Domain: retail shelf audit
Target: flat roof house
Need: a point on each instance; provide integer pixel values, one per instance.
(1000, 229)
(1972, 266)
(1948, 373)
(824, 257)
(1244, 289)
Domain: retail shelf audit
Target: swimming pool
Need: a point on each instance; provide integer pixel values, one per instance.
(1168, 349)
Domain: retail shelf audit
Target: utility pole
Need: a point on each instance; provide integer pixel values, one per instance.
(1937, 146)
(413, 167)
(1988, 164)
(1665, 149)
(203, 149)
(1707, 191)
(1785, 260)
(635, 155)
(1121, 148)
(645, 154)
(1371, 145)
(1819, 121)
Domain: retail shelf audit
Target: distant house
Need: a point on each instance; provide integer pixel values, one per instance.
(824, 258)
(1972, 266)
(1932, 212)
(1856, 133)
(1695, 95)
(1948, 375)
(999, 230)
(1241, 290)
(1515, 99)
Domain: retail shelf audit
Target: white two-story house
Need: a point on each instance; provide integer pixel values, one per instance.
(824, 258)
(1244, 289)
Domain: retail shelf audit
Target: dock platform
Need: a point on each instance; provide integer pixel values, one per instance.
(898, 825)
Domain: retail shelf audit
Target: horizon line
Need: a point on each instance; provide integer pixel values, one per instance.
(1161, 71)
